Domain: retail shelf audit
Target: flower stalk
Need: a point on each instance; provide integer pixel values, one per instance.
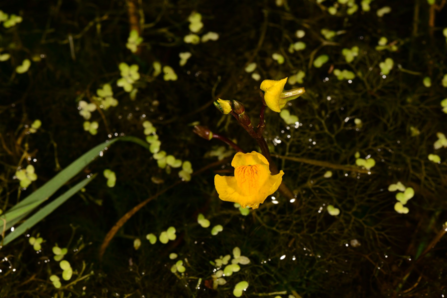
(228, 142)
(205, 133)
(275, 98)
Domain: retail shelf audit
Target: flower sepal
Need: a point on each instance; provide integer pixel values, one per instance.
(292, 94)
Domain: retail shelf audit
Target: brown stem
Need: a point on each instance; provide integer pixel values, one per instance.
(265, 151)
(126, 217)
(433, 242)
(20, 139)
(414, 286)
(416, 18)
(134, 19)
(228, 141)
(245, 122)
(431, 21)
(235, 116)
(261, 124)
(135, 209)
(429, 247)
(133, 16)
(285, 191)
(4, 146)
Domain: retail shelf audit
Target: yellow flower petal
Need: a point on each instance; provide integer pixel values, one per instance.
(227, 189)
(269, 188)
(272, 96)
(247, 159)
(250, 179)
(252, 182)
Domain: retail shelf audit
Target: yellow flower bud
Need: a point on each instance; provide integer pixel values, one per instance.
(223, 105)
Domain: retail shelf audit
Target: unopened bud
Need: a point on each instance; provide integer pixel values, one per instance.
(238, 108)
(223, 105)
(203, 132)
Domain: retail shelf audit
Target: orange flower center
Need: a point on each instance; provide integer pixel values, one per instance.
(248, 178)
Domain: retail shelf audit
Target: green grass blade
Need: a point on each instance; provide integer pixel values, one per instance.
(14, 221)
(17, 219)
(42, 213)
(49, 188)
(12, 214)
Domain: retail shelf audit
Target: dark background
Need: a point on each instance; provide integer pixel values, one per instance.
(387, 263)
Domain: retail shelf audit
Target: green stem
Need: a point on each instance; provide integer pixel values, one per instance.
(326, 164)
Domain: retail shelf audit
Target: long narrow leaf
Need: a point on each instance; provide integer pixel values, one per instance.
(49, 188)
(13, 214)
(42, 213)
(16, 220)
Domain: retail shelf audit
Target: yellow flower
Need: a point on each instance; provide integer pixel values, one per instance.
(223, 105)
(252, 181)
(275, 97)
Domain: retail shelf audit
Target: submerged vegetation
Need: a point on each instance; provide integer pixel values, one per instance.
(109, 145)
